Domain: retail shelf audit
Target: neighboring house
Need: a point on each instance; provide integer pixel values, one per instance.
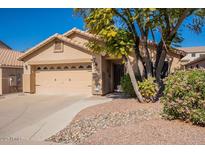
(4, 45)
(62, 64)
(192, 53)
(11, 71)
(196, 63)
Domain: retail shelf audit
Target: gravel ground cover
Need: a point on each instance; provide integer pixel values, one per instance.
(124, 121)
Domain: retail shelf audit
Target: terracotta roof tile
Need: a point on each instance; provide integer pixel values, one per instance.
(9, 58)
(150, 42)
(4, 45)
(85, 33)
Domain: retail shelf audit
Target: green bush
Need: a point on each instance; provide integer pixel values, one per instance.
(148, 89)
(198, 117)
(126, 85)
(184, 96)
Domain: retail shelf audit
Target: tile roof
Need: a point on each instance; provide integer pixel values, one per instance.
(193, 49)
(89, 35)
(85, 33)
(4, 45)
(65, 37)
(8, 58)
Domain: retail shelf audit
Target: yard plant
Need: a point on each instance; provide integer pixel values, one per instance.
(184, 96)
(148, 88)
(123, 30)
(127, 85)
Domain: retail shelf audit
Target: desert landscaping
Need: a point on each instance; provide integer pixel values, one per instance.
(124, 121)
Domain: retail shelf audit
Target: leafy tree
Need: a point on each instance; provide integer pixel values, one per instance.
(122, 31)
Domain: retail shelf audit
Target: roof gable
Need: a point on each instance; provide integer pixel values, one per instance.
(80, 32)
(50, 39)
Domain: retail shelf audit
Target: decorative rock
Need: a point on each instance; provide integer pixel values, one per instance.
(78, 130)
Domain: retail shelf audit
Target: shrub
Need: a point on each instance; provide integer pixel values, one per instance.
(198, 117)
(148, 89)
(184, 96)
(126, 85)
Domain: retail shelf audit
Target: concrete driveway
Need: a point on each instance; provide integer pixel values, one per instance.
(37, 117)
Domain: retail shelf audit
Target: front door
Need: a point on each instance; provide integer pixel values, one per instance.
(118, 73)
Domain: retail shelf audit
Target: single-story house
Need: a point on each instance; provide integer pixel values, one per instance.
(11, 70)
(62, 64)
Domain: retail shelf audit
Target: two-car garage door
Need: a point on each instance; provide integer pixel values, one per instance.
(65, 79)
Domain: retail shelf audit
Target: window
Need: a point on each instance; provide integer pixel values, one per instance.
(12, 80)
(39, 68)
(45, 68)
(193, 55)
(58, 68)
(58, 46)
(66, 67)
(89, 66)
(80, 67)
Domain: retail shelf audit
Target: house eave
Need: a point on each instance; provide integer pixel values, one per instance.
(52, 62)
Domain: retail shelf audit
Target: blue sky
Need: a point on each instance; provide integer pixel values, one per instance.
(23, 28)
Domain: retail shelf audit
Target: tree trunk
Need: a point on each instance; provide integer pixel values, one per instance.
(139, 65)
(148, 66)
(147, 59)
(140, 72)
(160, 65)
(158, 54)
(133, 79)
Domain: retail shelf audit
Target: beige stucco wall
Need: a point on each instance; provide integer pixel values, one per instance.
(175, 65)
(28, 78)
(5, 74)
(1, 81)
(46, 55)
(97, 75)
(106, 76)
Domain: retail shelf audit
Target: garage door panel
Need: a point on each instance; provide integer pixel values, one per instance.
(63, 82)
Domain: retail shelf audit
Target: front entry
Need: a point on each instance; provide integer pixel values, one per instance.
(118, 74)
